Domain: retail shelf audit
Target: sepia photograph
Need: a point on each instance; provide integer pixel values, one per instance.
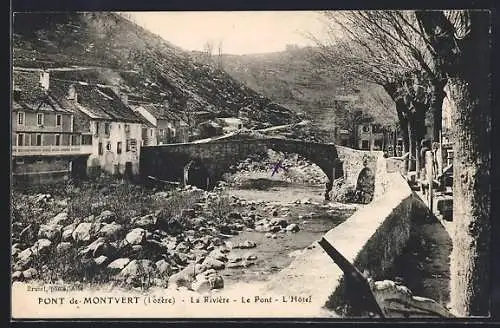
(251, 164)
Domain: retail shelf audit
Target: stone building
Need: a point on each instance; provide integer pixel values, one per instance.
(106, 123)
(45, 145)
(168, 127)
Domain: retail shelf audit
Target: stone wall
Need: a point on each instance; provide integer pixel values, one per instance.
(352, 162)
(371, 239)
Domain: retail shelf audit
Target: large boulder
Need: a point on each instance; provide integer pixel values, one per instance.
(84, 232)
(25, 257)
(42, 247)
(163, 268)
(137, 271)
(218, 255)
(98, 248)
(292, 227)
(51, 232)
(59, 219)
(118, 264)
(107, 216)
(112, 231)
(211, 263)
(146, 222)
(136, 236)
(30, 273)
(246, 244)
(184, 278)
(279, 222)
(63, 247)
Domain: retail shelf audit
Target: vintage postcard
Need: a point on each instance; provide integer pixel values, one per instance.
(271, 164)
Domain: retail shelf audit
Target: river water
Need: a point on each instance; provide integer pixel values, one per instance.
(312, 214)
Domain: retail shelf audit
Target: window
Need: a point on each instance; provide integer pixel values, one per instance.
(100, 148)
(366, 128)
(38, 139)
(39, 118)
(119, 147)
(20, 118)
(151, 132)
(58, 120)
(108, 146)
(58, 139)
(376, 128)
(365, 144)
(162, 132)
(97, 128)
(127, 148)
(20, 139)
(86, 139)
(106, 128)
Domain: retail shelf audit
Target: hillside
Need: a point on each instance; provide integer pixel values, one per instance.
(293, 79)
(139, 62)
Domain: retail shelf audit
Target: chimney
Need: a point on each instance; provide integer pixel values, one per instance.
(124, 97)
(45, 80)
(72, 93)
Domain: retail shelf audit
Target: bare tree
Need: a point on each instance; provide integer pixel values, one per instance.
(208, 49)
(219, 54)
(387, 48)
(459, 42)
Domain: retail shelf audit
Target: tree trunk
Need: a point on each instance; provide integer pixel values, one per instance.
(436, 108)
(469, 90)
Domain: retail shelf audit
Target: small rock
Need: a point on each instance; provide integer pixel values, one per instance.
(59, 219)
(211, 263)
(163, 268)
(101, 260)
(201, 286)
(63, 247)
(118, 264)
(268, 235)
(216, 282)
(274, 236)
(107, 216)
(292, 227)
(136, 236)
(30, 273)
(146, 222)
(42, 246)
(25, 256)
(218, 255)
(235, 265)
(137, 270)
(279, 222)
(50, 232)
(83, 232)
(251, 257)
(183, 278)
(247, 244)
(18, 275)
(112, 231)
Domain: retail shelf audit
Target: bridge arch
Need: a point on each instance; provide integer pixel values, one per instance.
(213, 158)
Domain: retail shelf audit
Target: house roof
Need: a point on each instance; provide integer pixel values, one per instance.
(96, 101)
(28, 94)
(161, 112)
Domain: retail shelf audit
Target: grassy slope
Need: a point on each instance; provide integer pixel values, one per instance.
(138, 61)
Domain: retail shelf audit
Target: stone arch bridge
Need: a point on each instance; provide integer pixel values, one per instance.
(212, 158)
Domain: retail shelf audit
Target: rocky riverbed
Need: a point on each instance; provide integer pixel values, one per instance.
(126, 235)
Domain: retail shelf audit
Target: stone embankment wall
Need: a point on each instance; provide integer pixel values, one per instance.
(371, 239)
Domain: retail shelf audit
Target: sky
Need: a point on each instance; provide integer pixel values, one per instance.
(238, 32)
